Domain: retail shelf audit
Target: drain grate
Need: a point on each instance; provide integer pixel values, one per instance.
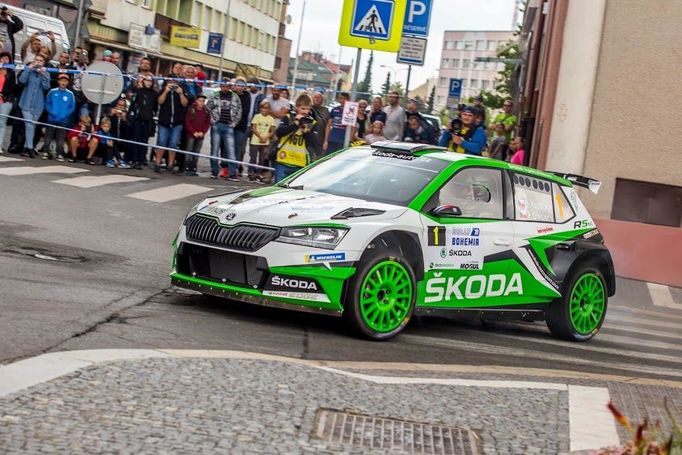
(394, 435)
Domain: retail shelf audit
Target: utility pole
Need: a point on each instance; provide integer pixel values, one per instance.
(407, 83)
(354, 92)
(79, 20)
(298, 46)
(224, 43)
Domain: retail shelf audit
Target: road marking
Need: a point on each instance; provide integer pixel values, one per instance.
(29, 170)
(91, 181)
(8, 159)
(637, 321)
(651, 332)
(170, 193)
(630, 311)
(661, 296)
(533, 354)
(638, 342)
(591, 425)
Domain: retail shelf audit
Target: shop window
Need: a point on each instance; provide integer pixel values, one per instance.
(646, 202)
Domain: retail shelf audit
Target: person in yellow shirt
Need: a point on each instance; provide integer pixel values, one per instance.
(296, 137)
(262, 131)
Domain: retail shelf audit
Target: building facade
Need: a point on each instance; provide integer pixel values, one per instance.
(591, 107)
(459, 51)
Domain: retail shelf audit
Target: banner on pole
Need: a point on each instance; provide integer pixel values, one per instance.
(185, 36)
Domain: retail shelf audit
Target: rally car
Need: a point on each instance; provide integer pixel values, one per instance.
(378, 233)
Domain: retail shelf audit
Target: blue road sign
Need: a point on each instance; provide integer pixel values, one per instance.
(417, 18)
(215, 43)
(455, 89)
(373, 19)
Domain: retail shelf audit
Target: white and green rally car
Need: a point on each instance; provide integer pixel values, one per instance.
(379, 233)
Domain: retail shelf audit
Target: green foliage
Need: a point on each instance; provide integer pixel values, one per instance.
(432, 99)
(387, 85)
(397, 87)
(504, 90)
(365, 86)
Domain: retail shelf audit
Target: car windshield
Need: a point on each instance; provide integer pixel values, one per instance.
(371, 175)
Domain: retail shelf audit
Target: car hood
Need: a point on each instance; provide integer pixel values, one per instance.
(288, 207)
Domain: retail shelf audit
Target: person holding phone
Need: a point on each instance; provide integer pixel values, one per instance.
(9, 25)
(31, 46)
(36, 82)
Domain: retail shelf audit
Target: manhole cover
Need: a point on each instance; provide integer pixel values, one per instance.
(394, 435)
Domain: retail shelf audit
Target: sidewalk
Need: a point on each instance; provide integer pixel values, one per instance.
(231, 402)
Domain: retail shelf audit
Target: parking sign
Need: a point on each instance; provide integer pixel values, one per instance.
(417, 18)
(455, 89)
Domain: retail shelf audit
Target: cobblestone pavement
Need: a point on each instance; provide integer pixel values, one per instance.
(247, 406)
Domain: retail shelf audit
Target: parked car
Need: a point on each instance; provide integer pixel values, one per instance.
(35, 22)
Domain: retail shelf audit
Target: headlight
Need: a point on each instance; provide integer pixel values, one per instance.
(318, 237)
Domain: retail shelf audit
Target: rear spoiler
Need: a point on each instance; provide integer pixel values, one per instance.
(578, 180)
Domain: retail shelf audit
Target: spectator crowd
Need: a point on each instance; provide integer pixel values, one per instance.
(242, 122)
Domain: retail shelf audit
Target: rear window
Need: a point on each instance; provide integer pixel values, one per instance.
(372, 175)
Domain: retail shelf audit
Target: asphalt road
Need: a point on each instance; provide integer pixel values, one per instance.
(88, 268)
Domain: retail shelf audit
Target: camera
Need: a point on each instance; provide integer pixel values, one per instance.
(456, 126)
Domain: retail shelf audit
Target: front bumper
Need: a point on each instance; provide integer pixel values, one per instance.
(248, 278)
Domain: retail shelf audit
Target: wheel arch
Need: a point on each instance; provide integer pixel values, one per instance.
(407, 243)
(602, 258)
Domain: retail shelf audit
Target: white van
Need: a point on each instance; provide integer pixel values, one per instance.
(34, 22)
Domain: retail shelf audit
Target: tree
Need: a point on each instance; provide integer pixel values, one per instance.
(431, 101)
(397, 86)
(387, 85)
(505, 89)
(420, 103)
(365, 86)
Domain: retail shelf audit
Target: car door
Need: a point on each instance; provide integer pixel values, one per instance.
(542, 215)
(468, 239)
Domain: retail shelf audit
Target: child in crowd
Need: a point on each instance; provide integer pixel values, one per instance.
(197, 123)
(262, 131)
(498, 146)
(518, 154)
(102, 145)
(295, 138)
(78, 139)
(60, 105)
(376, 133)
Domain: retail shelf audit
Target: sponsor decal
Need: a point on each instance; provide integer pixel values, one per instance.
(541, 268)
(470, 266)
(325, 257)
(582, 224)
(301, 284)
(400, 156)
(466, 241)
(591, 234)
(436, 236)
(440, 288)
(212, 210)
(292, 215)
(545, 229)
(297, 295)
(466, 231)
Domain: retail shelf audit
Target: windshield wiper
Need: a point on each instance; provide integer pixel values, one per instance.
(291, 187)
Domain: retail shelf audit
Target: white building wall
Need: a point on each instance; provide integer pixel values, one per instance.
(121, 13)
(575, 87)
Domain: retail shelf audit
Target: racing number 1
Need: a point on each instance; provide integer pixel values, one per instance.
(436, 236)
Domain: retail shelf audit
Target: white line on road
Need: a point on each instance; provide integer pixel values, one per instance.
(661, 296)
(591, 424)
(642, 331)
(630, 311)
(8, 159)
(30, 170)
(91, 181)
(637, 321)
(170, 193)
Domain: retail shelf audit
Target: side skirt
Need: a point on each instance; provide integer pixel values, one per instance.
(530, 312)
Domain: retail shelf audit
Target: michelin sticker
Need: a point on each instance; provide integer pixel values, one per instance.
(324, 257)
(463, 249)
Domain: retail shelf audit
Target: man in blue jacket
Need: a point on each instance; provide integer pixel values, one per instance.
(60, 105)
(470, 138)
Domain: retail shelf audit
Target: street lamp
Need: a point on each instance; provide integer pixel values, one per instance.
(394, 71)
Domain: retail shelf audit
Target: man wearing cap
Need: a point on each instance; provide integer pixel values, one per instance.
(60, 104)
(478, 104)
(471, 138)
(240, 130)
(226, 112)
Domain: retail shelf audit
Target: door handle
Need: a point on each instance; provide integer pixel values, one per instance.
(502, 242)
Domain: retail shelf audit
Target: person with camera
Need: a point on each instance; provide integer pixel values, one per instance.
(36, 82)
(296, 139)
(9, 25)
(173, 101)
(31, 47)
(226, 112)
(466, 136)
(142, 109)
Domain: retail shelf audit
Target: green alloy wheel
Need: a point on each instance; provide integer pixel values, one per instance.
(385, 296)
(381, 297)
(579, 314)
(587, 303)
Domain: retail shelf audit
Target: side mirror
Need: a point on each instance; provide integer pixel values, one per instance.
(446, 211)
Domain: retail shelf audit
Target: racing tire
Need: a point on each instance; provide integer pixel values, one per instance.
(381, 295)
(579, 313)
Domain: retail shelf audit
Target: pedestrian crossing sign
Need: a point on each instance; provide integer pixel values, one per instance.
(372, 24)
